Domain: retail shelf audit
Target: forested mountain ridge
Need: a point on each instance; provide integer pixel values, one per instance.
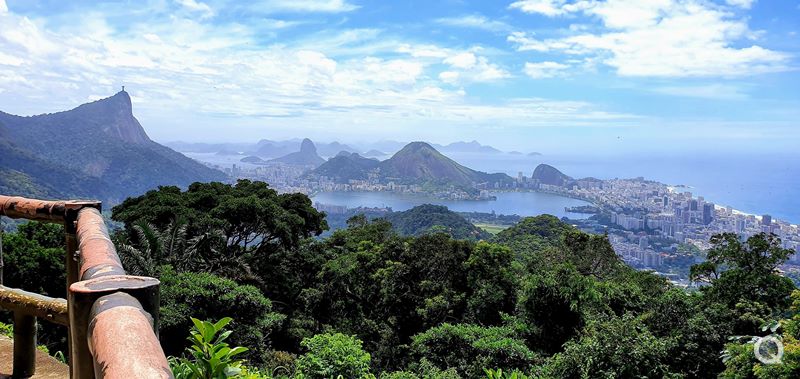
(99, 143)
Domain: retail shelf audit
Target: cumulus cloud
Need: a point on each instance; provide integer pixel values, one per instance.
(474, 21)
(469, 67)
(666, 38)
(545, 7)
(195, 6)
(714, 91)
(746, 4)
(180, 65)
(311, 6)
(3, 6)
(546, 69)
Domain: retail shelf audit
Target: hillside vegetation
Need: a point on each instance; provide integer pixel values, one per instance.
(97, 150)
(541, 298)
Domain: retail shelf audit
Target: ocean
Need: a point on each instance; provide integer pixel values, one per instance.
(757, 184)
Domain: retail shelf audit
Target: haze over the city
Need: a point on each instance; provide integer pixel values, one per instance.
(529, 75)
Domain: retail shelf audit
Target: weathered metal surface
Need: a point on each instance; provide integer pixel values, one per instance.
(122, 341)
(106, 284)
(98, 257)
(112, 317)
(42, 210)
(33, 304)
(24, 345)
(83, 296)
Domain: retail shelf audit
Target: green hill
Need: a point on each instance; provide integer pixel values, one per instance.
(96, 150)
(547, 174)
(427, 218)
(346, 166)
(420, 162)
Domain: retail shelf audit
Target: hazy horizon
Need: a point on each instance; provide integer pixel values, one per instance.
(529, 75)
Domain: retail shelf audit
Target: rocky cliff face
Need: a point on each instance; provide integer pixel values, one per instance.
(101, 140)
(114, 115)
(307, 156)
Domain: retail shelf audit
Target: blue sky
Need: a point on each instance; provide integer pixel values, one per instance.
(528, 75)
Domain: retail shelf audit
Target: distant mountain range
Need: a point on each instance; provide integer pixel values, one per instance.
(97, 150)
(416, 163)
(269, 149)
(467, 147)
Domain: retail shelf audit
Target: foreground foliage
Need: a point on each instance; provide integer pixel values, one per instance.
(540, 299)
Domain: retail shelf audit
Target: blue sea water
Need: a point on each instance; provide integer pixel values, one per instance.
(759, 184)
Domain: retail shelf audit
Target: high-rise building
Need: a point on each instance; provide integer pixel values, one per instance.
(708, 213)
(643, 242)
(766, 220)
(693, 205)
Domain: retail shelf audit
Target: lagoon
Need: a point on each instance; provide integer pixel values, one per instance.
(507, 203)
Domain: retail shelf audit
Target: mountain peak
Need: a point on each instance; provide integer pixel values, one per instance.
(547, 174)
(114, 115)
(308, 147)
(417, 146)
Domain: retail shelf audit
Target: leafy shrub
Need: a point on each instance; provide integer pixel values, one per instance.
(470, 348)
(211, 357)
(205, 296)
(500, 374)
(330, 355)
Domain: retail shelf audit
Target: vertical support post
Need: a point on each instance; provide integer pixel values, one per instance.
(2, 265)
(24, 345)
(81, 364)
(71, 265)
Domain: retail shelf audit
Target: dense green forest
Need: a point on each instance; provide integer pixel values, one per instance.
(540, 299)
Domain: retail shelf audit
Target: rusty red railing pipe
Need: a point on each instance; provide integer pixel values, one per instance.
(42, 210)
(98, 256)
(112, 317)
(122, 342)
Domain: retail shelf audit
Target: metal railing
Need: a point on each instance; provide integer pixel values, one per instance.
(112, 317)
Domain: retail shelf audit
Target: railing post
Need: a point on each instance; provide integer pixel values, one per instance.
(82, 297)
(71, 265)
(24, 345)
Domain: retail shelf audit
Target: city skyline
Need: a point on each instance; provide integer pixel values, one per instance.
(538, 75)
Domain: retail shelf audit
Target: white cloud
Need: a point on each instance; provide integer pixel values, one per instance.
(472, 68)
(746, 4)
(423, 51)
(180, 69)
(667, 38)
(195, 6)
(10, 60)
(474, 21)
(707, 91)
(544, 69)
(3, 6)
(311, 6)
(463, 60)
(546, 7)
